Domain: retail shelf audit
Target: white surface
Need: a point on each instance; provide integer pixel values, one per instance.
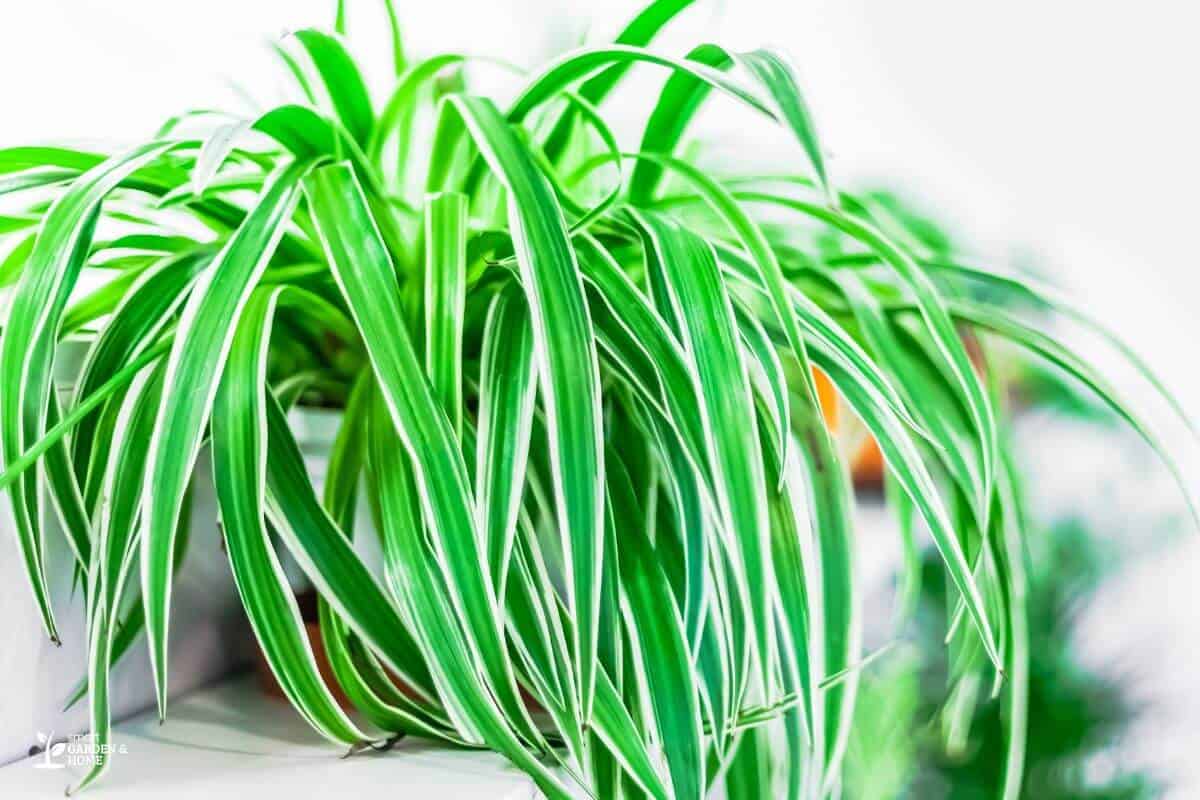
(1058, 129)
(231, 741)
(1140, 627)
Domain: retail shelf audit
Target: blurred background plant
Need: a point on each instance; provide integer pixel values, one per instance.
(1077, 714)
(924, 729)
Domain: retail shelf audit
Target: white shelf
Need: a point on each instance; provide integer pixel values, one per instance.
(231, 741)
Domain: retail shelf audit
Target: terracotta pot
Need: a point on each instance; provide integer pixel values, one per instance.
(866, 466)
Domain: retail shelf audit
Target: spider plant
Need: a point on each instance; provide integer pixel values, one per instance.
(580, 381)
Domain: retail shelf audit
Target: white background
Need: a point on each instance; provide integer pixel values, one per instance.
(1060, 133)
(1068, 129)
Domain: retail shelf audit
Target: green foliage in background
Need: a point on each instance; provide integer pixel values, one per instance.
(578, 390)
(1077, 716)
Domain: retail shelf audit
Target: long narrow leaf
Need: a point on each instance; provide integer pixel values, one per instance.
(200, 347)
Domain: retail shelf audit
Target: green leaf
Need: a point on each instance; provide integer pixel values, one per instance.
(615, 727)
(640, 31)
(642, 344)
(65, 492)
(69, 420)
(778, 77)
(343, 81)
(29, 337)
(507, 391)
(952, 356)
(424, 594)
(193, 370)
(559, 74)
(656, 630)
(927, 393)
(1028, 287)
(112, 558)
(565, 351)
(14, 262)
(148, 305)
(398, 110)
(445, 298)
(1013, 558)
(362, 269)
(722, 383)
(326, 555)
(239, 422)
(1055, 353)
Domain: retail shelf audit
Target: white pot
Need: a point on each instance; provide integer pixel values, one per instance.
(209, 636)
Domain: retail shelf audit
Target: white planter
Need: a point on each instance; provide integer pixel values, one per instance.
(208, 632)
(209, 635)
(228, 738)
